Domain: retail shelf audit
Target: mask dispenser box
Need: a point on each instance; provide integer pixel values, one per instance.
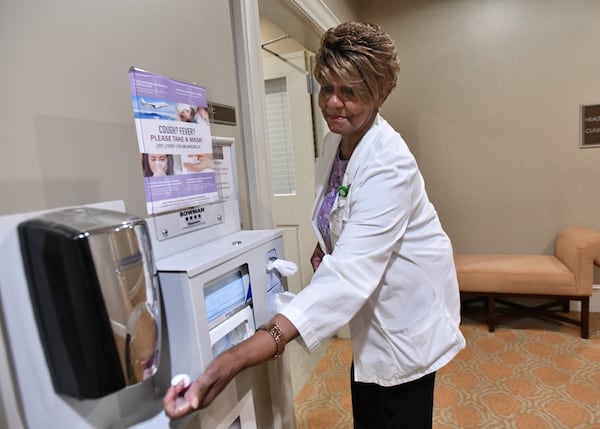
(83, 318)
(216, 288)
(216, 294)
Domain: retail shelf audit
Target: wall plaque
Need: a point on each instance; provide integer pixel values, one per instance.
(590, 126)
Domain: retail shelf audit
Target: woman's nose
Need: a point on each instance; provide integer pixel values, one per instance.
(334, 101)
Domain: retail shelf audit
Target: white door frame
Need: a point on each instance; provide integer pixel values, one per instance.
(246, 28)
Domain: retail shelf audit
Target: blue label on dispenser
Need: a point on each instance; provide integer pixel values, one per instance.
(224, 295)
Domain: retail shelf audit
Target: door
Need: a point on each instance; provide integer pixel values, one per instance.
(291, 141)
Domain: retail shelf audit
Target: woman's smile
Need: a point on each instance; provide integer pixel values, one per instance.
(338, 118)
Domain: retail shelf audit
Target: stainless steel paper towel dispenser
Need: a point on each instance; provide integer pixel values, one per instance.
(94, 291)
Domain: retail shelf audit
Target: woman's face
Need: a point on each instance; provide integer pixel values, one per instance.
(158, 164)
(185, 112)
(344, 112)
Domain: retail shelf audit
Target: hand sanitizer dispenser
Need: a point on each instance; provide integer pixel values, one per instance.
(95, 298)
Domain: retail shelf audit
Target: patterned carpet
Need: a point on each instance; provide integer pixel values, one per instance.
(528, 374)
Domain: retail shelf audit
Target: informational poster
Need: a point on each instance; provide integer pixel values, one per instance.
(174, 139)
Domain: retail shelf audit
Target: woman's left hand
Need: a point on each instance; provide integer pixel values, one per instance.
(317, 257)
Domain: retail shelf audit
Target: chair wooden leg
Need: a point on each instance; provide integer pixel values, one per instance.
(491, 316)
(585, 317)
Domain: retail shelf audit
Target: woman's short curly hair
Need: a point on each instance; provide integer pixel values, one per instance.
(362, 55)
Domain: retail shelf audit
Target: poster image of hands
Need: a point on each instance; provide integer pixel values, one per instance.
(174, 140)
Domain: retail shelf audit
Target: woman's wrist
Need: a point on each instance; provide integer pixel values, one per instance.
(277, 335)
(263, 346)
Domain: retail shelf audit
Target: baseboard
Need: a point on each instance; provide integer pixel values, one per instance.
(594, 301)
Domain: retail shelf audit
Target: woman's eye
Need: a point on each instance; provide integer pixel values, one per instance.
(327, 89)
(348, 92)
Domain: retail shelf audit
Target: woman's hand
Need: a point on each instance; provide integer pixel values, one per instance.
(317, 257)
(179, 401)
(260, 347)
(201, 163)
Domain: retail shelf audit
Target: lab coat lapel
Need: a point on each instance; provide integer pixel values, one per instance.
(341, 209)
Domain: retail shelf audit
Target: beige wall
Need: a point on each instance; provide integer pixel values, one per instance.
(488, 100)
(345, 10)
(67, 131)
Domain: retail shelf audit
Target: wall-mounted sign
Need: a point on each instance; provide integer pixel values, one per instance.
(590, 126)
(221, 114)
(172, 124)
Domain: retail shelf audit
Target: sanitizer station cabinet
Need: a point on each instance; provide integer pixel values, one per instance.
(101, 309)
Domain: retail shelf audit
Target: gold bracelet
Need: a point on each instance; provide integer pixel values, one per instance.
(275, 332)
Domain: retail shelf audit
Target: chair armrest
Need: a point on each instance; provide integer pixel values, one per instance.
(578, 247)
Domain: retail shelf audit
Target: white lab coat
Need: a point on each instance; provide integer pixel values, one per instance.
(391, 274)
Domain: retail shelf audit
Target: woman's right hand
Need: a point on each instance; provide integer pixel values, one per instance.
(180, 401)
(317, 257)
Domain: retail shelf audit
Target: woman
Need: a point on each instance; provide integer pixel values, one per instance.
(383, 262)
(157, 164)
